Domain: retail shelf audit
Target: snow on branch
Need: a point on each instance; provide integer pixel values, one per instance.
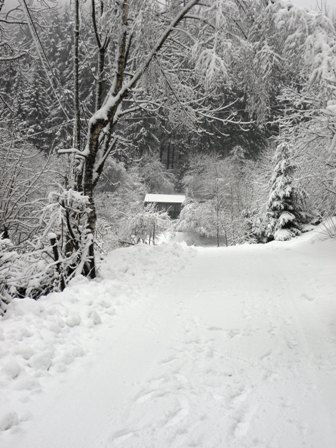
(103, 114)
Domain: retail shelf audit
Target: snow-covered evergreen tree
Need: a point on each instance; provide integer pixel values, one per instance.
(283, 215)
(7, 258)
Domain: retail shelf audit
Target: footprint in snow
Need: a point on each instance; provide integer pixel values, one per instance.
(243, 423)
(144, 396)
(265, 355)
(215, 329)
(179, 414)
(233, 333)
(168, 360)
(240, 396)
(307, 297)
(122, 435)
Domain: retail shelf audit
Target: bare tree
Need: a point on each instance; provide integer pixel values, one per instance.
(101, 131)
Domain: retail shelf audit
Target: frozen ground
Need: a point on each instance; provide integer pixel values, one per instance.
(178, 348)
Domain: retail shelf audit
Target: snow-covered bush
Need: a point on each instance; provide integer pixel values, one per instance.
(205, 219)
(144, 226)
(66, 229)
(50, 260)
(28, 272)
(219, 192)
(117, 202)
(140, 225)
(122, 216)
(329, 227)
(26, 175)
(314, 149)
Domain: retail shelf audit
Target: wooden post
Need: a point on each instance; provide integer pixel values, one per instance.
(5, 235)
(53, 243)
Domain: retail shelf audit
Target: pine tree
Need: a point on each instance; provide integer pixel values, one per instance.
(7, 259)
(283, 217)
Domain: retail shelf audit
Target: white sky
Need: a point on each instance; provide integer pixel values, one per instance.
(314, 3)
(303, 3)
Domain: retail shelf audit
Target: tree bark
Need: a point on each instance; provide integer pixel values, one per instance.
(100, 80)
(76, 104)
(102, 47)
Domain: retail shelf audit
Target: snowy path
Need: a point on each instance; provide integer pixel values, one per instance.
(236, 350)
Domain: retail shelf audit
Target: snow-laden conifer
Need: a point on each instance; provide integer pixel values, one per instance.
(283, 211)
(7, 258)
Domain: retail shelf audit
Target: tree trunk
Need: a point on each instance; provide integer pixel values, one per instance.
(100, 80)
(76, 124)
(76, 133)
(88, 185)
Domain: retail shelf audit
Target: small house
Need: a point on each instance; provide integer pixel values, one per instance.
(170, 203)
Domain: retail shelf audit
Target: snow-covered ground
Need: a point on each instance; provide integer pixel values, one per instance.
(178, 347)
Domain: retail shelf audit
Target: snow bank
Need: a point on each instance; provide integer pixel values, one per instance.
(326, 231)
(146, 261)
(41, 339)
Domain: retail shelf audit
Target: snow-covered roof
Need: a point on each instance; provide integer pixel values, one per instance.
(165, 198)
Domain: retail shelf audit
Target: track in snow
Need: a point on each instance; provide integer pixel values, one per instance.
(238, 350)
